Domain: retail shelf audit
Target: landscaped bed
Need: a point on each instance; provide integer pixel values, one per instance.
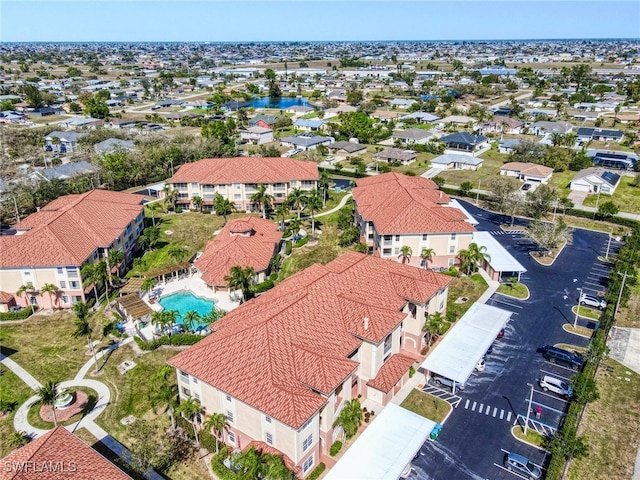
(515, 290)
(470, 288)
(16, 392)
(426, 406)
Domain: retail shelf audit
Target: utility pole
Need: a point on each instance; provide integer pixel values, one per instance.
(624, 279)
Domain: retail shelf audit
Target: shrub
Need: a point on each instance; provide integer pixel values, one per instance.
(412, 371)
(19, 315)
(208, 441)
(178, 210)
(319, 470)
(273, 277)
(288, 248)
(262, 287)
(178, 339)
(302, 242)
(335, 448)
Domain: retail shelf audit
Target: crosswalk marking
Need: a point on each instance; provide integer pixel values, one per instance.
(501, 414)
(495, 410)
(486, 410)
(503, 232)
(508, 416)
(473, 409)
(466, 405)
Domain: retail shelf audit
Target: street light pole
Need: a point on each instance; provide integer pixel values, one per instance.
(478, 194)
(609, 243)
(526, 423)
(597, 201)
(575, 322)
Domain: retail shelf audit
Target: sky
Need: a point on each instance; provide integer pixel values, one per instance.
(314, 20)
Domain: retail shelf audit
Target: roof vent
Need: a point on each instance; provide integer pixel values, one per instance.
(366, 323)
(440, 193)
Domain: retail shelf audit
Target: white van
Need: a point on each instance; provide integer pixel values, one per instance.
(555, 385)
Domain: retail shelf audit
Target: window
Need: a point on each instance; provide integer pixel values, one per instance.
(306, 424)
(237, 186)
(72, 272)
(396, 251)
(63, 284)
(60, 270)
(387, 238)
(269, 438)
(194, 380)
(232, 438)
(27, 273)
(74, 285)
(308, 463)
(65, 299)
(370, 236)
(387, 344)
(386, 251)
(451, 262)
(424, 236)
(453, 236)
(229, 416)
(196, 396)
(186, 391)
(307, 442)
(397, 238)
(184, 375)
(237, 196)
(267, 418)
(228, 398)
(452, 249)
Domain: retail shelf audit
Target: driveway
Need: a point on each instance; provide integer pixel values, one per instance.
(473, 440)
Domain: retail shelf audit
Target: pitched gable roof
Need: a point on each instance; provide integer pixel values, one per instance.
(399, 204)
(221, 171)
(64, 450)
(300, 334)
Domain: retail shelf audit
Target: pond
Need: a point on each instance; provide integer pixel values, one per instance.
(273, 102)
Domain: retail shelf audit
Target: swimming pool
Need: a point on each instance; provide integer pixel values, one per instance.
(186, 301)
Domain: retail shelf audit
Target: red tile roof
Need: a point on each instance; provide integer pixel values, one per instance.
(278, 350)
(391, 372)
(231, 247)
(398, 204)
(222, 171)
(69, 229)
(6, 297)
(59, 449)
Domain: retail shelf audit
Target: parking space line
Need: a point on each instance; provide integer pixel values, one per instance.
(488, 410)
(466, 405)
(481, 407)
(501, 414)
(495, 410)
(497, 299)
(509, 471)
(473, 408)
(560, 366)
(550, 396)
(547, 407)
(556, 375)
(508, 416)
(593, 283)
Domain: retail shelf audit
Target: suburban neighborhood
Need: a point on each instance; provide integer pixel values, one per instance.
(314, 260)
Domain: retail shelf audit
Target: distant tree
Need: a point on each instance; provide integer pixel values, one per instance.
(548, 235)
(216, 422)
(465, 188)
(314, 204)
(502, 190)
(48, 395)
(18, 439)
(585, 389)
(350, 418)
(240, 279)
(608, 209)
(73, 72)
(177, 252)
(405, 253)
(223, 206)
(50, 289)
(197, 202)
(263, 199)
(427, 254)
(541, 200)
(149, 238)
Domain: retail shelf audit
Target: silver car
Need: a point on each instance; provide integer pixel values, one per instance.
(522, 465)
(592, 301)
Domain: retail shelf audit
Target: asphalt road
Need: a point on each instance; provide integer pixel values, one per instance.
(474, 438)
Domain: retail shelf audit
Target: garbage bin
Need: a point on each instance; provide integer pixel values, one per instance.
(435, 432)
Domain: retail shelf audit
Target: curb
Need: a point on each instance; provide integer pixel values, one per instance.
(524, 441)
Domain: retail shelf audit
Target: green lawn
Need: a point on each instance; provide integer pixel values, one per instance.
(561, 181)
(626, 197)
(14, 390)
(493, 160)
(45, 347)
(532, 436)
(518, 290)
(426, 406)
(470, 287)
(587, 312)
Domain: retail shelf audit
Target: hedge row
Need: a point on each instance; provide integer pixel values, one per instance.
(178, 339)
(262, 287)
(319, 470)
(302, 242)
(625, 222)
(343, 173)
(20, 315)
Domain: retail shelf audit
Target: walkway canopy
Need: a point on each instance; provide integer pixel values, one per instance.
(465, 344)
(500, 261)
(134, 285)
(385, 448)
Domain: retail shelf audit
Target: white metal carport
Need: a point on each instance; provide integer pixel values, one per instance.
(500, 260)
(385, 448)
(459, 352)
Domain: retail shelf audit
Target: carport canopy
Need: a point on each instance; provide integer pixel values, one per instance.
(386, 447)
(499, 258)
(459, 352)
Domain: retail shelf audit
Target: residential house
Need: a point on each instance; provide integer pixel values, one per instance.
(264, 121)
(248, 242)
(309, 125)
(62, 172)
(386, 116)
(502, 124)
(586, 134)
(401, 103)
(411, 136)
(540, 112)
(396, 155)
(122, 123)
(457, 161)
(613, 159)
(46, 112)
(282, 366)
(256, 135)
(544, 127)
(9, 116)
(343, 150)
(52, 245)
(237, 179)
(527, 172)
(457, 120)
(508, 145)
(420, 117)
(334, 112)
(465, 142)
(306, 141)
(61, 142)
(111, 145)
(595, 180)
(75, 123)
(394, 210)
(59, 454)
(299, 109)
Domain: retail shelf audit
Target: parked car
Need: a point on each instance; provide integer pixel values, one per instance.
(500, 334)
(15, 308)
(522, 465)
(592, 301)
(440, 381)
(480, 365)
(489, 350)
(555, 385)
(526, 187)
(563, 357)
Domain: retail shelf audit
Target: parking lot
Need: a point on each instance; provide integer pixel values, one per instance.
(474, 439)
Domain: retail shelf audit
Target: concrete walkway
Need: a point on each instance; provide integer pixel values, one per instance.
(493, 287)
(625, 347)
(342, 203)
(21, 422)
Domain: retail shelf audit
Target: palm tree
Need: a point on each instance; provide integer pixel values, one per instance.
(197, 202)
(190, 408)
(24, 290)
(51, 289)
(218, 423)
(282, 211)
(190, 319)
(433, 324)
(314, 204)
(170, 195)
(240, 279)
(323, 186)
(83, 329)
(297, 198)
(405, 253)
(263, 199)
(223, 206)
(115, 256)
(427, 254)
(466, 263)
(479, 253)
(273, 467)
(177, 252)
(350, 418)
(164, 319)
(48, 394)
(148, 283)
(95, 273)
(165, 392)
(18, 439)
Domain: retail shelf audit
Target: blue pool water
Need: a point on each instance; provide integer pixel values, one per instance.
(184, 302)
(281, 103)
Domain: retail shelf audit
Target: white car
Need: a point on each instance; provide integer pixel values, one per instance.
(592, 301)
(480, 365)
(555, 385)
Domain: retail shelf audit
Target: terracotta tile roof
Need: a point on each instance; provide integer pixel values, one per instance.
(277, 351)
(223, 171)
(527, 168)
(230, 247)
(69, 229)
(6, 297)
(398, 204)
(62, 449)
(391, 372)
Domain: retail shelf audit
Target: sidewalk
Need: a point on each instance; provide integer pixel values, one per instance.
(25, 376)
(493, 287)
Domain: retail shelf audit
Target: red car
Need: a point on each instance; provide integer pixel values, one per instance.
(500, 333)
